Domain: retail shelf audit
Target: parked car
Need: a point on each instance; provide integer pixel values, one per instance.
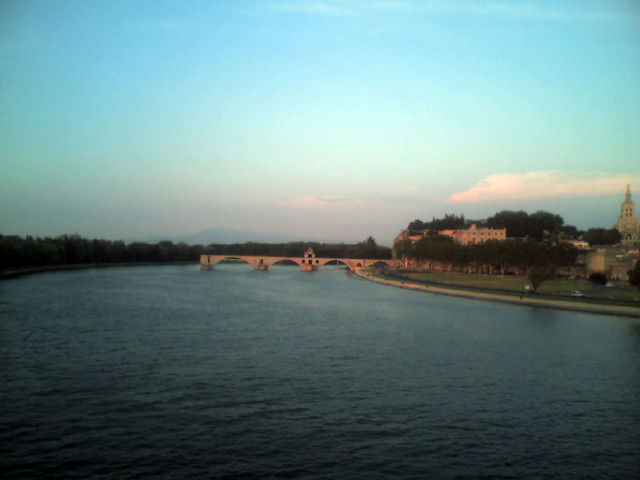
(577, 293)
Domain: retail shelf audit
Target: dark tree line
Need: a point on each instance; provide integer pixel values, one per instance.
(634, 275)
(73, 249)
(18, 252)
(521, 224)
(538, 260)
(602, 236)
(367, 249)
(449, 222)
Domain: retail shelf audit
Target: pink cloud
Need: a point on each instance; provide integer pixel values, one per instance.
(504, 186)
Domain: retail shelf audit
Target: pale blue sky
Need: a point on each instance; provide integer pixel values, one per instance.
(322, 119)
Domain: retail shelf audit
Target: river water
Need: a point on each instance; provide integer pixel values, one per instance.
(170, 372)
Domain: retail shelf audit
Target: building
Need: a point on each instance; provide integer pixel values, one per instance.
(473, 234)
(463, 236)
(613, 261)
(579, 244)
(628, 224)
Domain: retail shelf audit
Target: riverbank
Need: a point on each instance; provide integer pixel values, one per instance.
(525, 300)
(20, 272)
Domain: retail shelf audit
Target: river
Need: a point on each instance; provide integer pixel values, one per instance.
(170, 372)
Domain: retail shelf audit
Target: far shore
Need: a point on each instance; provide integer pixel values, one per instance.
(526, 300)
(20, 272)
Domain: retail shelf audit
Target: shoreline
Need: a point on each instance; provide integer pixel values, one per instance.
(21, 272)
(619, 310)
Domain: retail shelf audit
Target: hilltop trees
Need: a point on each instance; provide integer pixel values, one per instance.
(602, 236)
(416, 226)
(521, 224)
(449, 222)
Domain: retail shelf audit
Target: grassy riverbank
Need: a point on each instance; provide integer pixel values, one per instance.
(476, 289)
(620, 291)
(19, 272)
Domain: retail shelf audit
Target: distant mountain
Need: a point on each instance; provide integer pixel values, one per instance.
(221, 235)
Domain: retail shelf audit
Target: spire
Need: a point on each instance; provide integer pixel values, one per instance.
(627, 196)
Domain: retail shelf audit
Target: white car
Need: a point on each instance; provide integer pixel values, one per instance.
(577, 293)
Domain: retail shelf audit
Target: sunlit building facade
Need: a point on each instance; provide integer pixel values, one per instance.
(628, 224)
(473, 234)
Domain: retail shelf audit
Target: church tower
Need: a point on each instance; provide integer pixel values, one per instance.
(628, 225)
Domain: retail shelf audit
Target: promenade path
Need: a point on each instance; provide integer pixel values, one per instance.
(526, 300)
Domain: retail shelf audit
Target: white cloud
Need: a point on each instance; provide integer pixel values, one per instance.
(505, 186)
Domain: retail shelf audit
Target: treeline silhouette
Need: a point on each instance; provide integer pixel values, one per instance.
(539, 261)
(16, 251)
(514, 255)
(366, 249)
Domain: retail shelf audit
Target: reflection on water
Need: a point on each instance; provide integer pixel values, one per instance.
(173, 372)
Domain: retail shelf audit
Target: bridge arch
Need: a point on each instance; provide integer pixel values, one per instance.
(234, 258)
(334, 261)
(286, 261)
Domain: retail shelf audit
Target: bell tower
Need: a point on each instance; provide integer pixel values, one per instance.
(628, 225)
(628, 208)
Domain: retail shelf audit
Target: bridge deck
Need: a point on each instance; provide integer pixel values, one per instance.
(207, 262)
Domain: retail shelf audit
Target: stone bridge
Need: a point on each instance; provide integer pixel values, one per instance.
(308, 262)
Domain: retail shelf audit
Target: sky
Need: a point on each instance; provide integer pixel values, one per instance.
(323, 120)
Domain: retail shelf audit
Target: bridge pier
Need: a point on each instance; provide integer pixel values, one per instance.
(260, 265)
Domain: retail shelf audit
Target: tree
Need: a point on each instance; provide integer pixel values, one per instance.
(598, 278)
(570, 231)
(514, 222)
(602, 236)
(366, 249)
(634, 275)
(521, 224)
(450, 221)
(543, 221)
(403, 249)
(539, 274)
(416, 225)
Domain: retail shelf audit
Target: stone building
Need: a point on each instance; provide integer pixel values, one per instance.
(463, 236)
(628, 224)
(613, 261)
(473, 234)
